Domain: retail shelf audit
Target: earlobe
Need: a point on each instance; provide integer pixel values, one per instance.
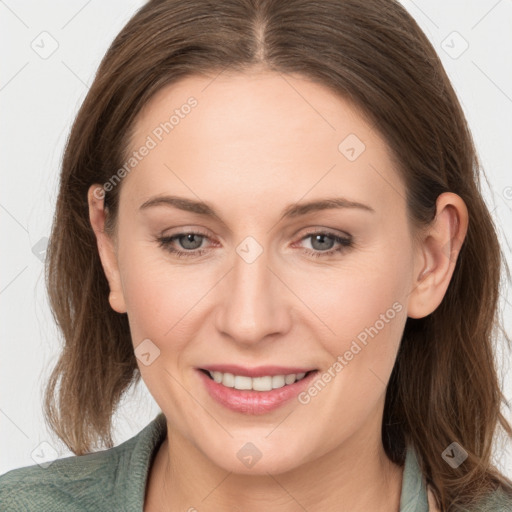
(106, 247)
(437, 255)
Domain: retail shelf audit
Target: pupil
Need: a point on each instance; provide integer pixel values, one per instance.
(322, 241)
(190, 239)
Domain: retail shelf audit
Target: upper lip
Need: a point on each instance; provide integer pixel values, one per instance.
(257, 371)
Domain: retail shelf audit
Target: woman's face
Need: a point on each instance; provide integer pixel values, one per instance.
(274, 277)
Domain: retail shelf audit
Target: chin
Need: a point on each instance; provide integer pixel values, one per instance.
(252, 458)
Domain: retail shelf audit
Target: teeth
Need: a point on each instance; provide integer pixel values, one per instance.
(266, 383)
(289, 379)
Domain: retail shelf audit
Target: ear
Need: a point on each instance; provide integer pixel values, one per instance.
(106, 247)
(436, 255)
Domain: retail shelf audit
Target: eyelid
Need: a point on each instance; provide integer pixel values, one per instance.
(314, 230)
(345, 242)
(326, 231)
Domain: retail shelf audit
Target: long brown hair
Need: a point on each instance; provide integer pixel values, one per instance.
(444, 387)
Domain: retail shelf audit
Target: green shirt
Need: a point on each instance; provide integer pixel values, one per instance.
(114, 480)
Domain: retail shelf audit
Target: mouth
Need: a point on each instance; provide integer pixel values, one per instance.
(260, 383)
(267, 389)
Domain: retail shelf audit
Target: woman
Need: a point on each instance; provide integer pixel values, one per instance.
(220, 147)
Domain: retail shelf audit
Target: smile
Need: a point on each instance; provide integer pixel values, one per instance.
(265, 383)
(254, 395)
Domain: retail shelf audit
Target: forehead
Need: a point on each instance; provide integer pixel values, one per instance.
(255, 134)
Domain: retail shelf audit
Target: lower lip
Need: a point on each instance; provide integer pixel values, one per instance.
(254, 402)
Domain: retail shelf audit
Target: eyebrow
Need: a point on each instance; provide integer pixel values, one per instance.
(291, 211)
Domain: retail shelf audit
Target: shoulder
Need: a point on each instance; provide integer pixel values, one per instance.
(496, 501)
(57, 486)
(103, 480)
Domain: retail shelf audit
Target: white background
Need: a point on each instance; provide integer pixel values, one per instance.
(39, 98)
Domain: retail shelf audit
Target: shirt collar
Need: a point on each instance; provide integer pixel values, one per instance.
(414, 492)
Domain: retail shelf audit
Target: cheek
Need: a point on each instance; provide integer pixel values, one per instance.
(165, 300)
(366, 314)
(363, 312)
(354, 296)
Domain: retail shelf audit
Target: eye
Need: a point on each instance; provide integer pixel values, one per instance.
(322, 243)
(191, 241)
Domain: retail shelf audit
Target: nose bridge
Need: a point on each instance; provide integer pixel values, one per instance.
(254, 306)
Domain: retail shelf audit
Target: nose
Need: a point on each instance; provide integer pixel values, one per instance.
(253, 303)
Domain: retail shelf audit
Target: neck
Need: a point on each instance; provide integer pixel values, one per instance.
(356, 476)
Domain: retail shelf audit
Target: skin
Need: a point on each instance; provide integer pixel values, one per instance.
(254, 145)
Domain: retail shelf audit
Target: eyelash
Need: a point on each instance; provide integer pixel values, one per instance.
(166, 241)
